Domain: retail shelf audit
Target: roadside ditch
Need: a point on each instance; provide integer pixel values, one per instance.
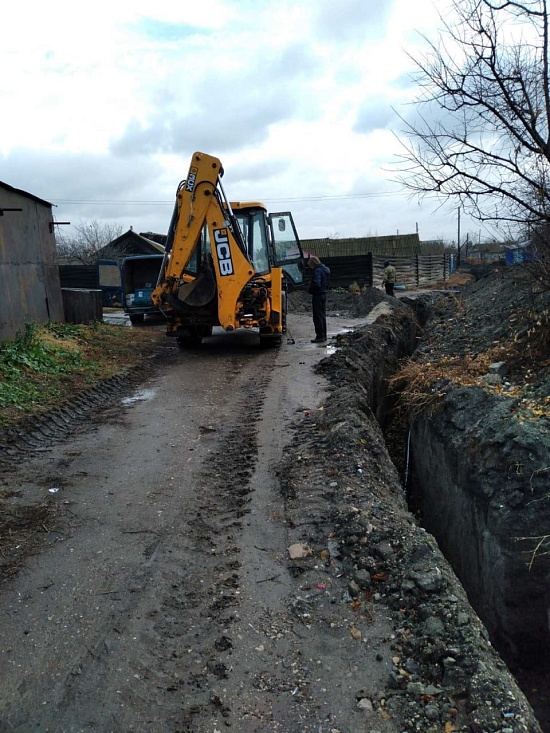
(476, 484)
(476, 468)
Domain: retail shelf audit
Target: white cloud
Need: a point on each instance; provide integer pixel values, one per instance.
(106, 102)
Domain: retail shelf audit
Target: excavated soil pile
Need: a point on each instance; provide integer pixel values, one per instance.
(339, 303)
(446, 674)
(478, 390)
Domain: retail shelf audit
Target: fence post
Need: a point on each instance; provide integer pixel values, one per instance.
(370, 269)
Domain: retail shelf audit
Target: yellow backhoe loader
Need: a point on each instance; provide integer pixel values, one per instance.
(226, 264)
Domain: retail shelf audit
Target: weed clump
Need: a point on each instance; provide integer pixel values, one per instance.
(43, 364)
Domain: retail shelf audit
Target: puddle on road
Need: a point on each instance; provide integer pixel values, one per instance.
(144, 395)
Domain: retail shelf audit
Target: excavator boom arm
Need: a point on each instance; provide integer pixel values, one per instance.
(219, 268)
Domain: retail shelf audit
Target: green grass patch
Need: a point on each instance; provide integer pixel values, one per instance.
(45, 365)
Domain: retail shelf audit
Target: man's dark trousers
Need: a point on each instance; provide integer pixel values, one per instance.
(319, 307)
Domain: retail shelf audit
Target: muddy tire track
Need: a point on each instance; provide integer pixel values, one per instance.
(174, 626)
(40, 432)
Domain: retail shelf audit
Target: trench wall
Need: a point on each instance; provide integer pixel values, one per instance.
(351, 423)
(480, 481)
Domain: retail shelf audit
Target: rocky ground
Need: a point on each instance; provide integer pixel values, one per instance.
(367, 579)
(496, 318)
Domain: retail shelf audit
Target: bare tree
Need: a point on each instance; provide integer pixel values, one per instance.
(482, 131)
(89, 238)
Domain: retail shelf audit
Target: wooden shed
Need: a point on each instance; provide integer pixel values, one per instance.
(129, 244)
(30, 289)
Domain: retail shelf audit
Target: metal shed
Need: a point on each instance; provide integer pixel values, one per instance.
(29, 275)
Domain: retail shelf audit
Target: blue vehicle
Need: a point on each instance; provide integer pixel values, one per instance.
(139, 276)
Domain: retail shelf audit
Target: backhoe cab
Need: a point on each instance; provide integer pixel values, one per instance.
(226, 264)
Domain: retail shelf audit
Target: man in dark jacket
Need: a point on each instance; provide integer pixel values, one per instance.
(318, 289)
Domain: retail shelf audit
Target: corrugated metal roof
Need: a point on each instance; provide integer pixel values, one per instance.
(11, 189)
(130, 236)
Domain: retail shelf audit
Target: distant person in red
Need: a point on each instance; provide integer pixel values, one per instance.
(318, 288)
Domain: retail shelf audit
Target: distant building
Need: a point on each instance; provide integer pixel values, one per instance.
(104, 273)
(30, 289)
(128, 244)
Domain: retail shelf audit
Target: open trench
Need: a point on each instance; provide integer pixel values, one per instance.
(477, 482)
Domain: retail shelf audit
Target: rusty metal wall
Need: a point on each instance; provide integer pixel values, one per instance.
(30, 291)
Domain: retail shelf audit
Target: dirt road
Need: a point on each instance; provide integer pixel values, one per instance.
(162, 600)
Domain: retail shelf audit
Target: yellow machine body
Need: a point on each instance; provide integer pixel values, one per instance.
(226, 264)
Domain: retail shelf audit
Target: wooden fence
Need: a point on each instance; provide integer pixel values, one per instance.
(413, 271)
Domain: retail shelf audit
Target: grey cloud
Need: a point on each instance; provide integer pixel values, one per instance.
(351, 20)
(294, 62)
(405, 81)
(375, 114)
(228, 113)
(51, 174)
(248, 174)
(96, 179)
(230, 128)
(143, 140)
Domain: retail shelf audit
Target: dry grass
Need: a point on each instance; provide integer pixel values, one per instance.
(86, 355)
(421, 385)
(455, 280)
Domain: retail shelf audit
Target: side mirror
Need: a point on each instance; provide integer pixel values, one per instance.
(282, 225)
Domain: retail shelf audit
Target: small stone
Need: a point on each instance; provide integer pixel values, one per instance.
(394, 680)
(411, 666)
(430, 581)
(491, 379)
(384, 550)
(365, 704)
(431, 712)
(362, 578)
(498, 367)
(432, 690)
(433, 627)
(298, 550)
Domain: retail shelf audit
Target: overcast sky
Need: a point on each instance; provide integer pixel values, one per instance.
(103, 104)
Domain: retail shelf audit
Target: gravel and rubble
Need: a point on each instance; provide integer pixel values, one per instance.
(446, 675)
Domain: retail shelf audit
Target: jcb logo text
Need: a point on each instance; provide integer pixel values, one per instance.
(223, 251)
(191, 178)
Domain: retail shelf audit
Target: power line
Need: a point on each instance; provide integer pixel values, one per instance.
(110, 202)
(121, 202)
